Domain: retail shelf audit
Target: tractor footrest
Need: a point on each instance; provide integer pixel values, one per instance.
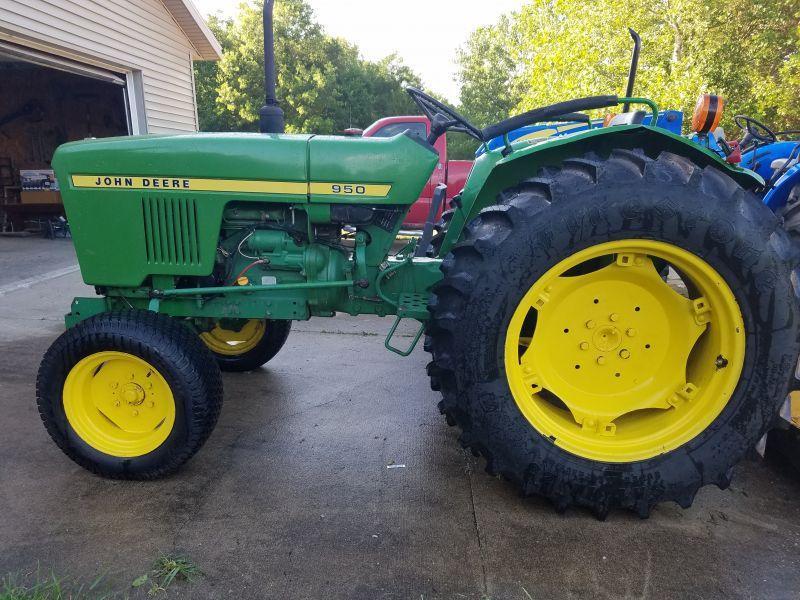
(413, 306)
(410, 306)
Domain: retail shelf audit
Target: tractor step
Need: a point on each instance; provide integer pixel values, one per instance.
(411, 306)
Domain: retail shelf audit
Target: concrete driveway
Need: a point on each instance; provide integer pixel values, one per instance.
(292, 498)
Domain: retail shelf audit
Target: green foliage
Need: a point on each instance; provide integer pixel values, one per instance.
(551, 50)
(323, 84)
(460, 146)
(488, 69)
(38, 586)
(205, 79)
(167, 569)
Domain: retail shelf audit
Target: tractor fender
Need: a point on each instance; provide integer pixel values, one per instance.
(494, 172)
(777, 196)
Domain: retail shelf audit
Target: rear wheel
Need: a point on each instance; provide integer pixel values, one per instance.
(244, 345)
(129, 395)
(616, 332)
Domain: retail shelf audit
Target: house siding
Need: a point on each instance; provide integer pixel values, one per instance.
(122, 35)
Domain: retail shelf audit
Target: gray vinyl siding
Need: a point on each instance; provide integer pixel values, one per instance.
(129, 35)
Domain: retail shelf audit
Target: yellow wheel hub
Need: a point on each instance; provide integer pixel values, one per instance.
(615, 362)
(234, 343)
(119, 404)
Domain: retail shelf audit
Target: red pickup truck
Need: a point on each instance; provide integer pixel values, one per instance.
(453, 173)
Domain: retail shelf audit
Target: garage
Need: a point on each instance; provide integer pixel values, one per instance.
(77, 70)
(48, 102)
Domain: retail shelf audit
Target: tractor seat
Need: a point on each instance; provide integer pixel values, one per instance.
(629, 118)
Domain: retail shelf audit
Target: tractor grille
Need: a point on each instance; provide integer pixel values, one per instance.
(170, 231)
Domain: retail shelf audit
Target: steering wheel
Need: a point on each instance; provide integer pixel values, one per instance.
(441, 116)
(756, 130)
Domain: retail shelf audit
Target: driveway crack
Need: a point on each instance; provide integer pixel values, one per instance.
(484, 587)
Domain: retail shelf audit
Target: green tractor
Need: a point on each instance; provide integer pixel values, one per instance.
(610, 313)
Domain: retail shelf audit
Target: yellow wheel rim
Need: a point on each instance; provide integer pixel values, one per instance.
(234, 343)
(615, 364)
(119, 404)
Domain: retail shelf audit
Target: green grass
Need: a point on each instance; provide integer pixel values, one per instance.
(39, 587)
(166, 570)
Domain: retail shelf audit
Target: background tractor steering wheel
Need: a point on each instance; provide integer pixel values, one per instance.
(442, 117)
(755, 130)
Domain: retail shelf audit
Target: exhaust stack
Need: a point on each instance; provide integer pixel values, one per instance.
(637, 48)
(270, 117)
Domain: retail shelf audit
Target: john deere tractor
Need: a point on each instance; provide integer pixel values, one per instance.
(609, 313)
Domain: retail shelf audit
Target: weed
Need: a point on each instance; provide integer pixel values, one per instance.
(166, 570)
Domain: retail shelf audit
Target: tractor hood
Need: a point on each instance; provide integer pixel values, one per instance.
(130, 192)
(285, 167)
(196, 162)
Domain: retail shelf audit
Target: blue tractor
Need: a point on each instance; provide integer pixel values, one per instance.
(775, 157)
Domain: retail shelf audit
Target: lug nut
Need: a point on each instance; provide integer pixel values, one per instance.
(527, 370)
(584, 345)
(135, 413)
(589, 324)
(151, 404)
(624, 353)
(613, 317)
(114, 385)
(116, 403)
(631, 332)
(601, 360)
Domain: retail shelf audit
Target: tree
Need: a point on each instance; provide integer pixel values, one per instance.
(323, 83)
(205, 79)
(551, 50)
(488, 70)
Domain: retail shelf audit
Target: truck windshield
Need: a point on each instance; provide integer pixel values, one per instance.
(392, 129)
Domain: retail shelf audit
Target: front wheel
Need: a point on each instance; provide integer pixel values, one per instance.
(244, 345)
(129, 395)
(616, 332)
